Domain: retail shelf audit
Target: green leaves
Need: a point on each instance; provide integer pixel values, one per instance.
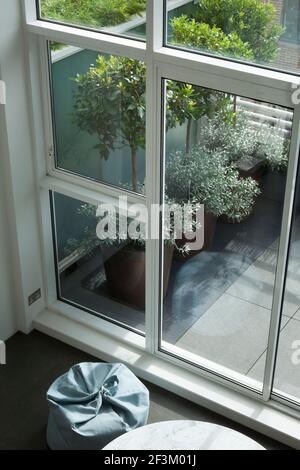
(190, 32)
(254, 22)
(95, 13)
(110, 103)
(186, 101)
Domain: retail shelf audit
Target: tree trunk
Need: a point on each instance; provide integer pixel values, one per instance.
(234, 109)
(134, 168)
(188, 136)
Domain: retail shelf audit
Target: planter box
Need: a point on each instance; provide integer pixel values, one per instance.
(125, 274)
(248, 167)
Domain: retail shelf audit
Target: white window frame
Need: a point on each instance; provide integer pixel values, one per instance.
(162, 62)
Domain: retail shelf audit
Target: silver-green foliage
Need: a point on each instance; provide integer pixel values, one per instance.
(240, 139)
(203, 176)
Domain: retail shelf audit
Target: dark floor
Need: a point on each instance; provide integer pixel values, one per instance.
(35, 361)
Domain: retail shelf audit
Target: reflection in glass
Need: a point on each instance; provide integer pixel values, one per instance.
(230, 154)
(106, 277)
(257, 31)
(118, 17)
(99, 116)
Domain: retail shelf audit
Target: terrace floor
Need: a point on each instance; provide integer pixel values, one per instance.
(233, 329)
(223, 298)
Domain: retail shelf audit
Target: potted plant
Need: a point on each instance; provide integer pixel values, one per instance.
(205, 177)
(125, 262)
(123, 255)
(251, 150)
(125, 272)
(110, 103)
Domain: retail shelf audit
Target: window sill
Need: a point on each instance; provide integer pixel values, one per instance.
(265, 418)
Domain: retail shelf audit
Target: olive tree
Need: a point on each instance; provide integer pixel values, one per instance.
(110, 103)
(188, 103)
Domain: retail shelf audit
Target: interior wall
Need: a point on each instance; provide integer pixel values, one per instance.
(7, 310)
(21, 272)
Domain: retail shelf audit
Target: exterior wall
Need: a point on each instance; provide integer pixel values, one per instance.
(289, 54)
(279, 7)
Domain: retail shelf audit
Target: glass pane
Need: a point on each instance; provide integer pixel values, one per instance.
(99, 116)
(118, 17)
(264, 32)
(229, 154)
(287, 376)
(291, 21)
(105, 276)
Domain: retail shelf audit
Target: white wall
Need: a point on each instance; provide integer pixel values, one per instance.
(20, 247)
(8, 324)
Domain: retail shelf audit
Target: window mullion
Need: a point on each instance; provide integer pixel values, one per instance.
(86, 39)
(30, 10)
(153, 123)
(243, 79)
(90, 192)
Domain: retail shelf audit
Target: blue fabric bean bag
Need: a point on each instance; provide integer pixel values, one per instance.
(93, 404)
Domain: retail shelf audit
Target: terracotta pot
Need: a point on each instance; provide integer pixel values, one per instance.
(209, 235)
(125, 274)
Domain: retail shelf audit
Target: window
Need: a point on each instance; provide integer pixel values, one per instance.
(291, 21)
(286, 382)
(121, 17)
(106, 279)
(226, 285)
(99, 116)
(243, 30)
(171, 168)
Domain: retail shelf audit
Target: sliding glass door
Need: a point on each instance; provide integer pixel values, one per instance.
(230, 154)
(287, 376)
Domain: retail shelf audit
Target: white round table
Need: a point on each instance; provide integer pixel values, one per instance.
(183, 435)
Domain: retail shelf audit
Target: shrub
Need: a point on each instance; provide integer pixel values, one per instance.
(240, 139)
(204, 177)
(253, 21)
(89, 241)
(95, 13)
(211, 39)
